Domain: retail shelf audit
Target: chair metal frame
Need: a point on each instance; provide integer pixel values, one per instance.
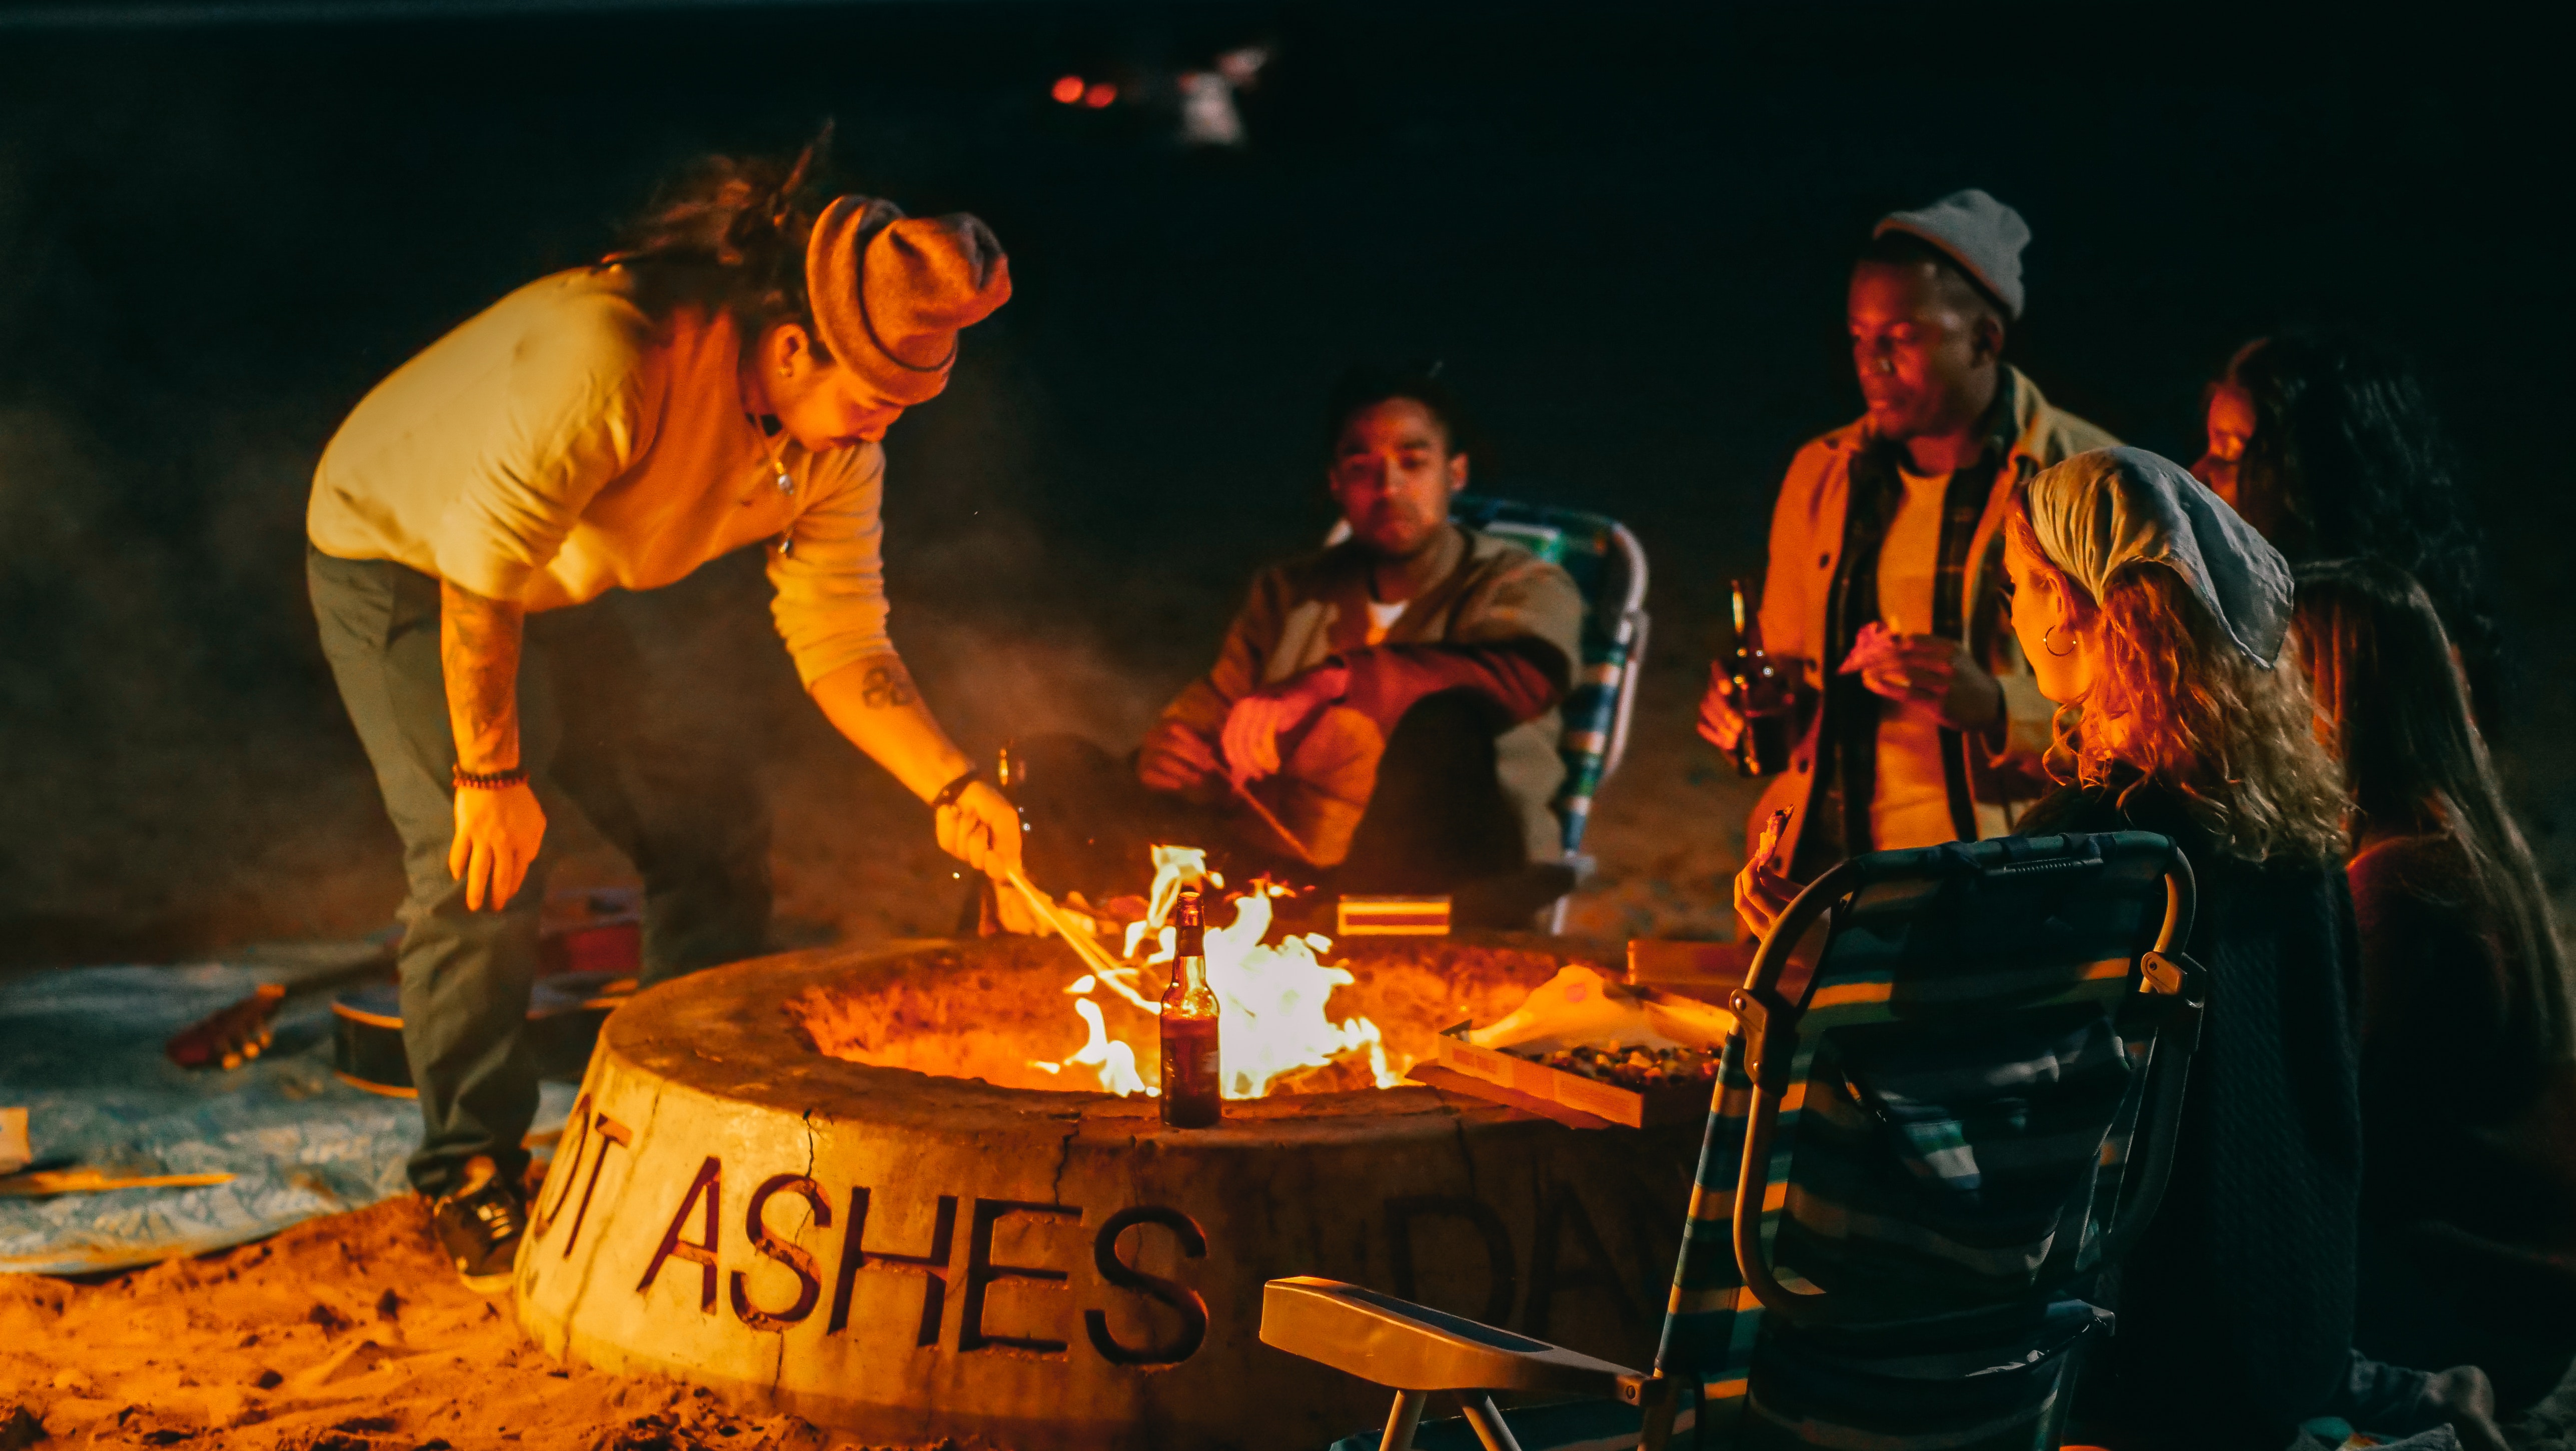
(1770, 1024)
(1417, 1351)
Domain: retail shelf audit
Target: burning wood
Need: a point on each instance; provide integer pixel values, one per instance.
(1272, 997)
(1274, 1002)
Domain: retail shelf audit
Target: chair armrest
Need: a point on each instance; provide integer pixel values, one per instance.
(1399, 1344)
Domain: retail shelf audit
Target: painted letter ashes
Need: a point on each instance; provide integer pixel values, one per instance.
(904, 1256)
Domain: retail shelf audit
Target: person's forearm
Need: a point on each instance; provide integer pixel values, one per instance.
(478, 654)
(1385, 682)
(873, 702)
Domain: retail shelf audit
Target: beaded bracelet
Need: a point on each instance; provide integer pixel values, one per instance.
(490, 780)
(949, 793)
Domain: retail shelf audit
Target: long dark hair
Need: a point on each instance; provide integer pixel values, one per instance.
(729, 234)
(2348, 460)
(2394, 707)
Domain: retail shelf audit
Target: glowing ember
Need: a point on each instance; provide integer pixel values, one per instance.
(1272, 998)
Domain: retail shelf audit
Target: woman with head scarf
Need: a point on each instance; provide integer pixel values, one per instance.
(2468, 1062)
(481, 532)
(2154, 617)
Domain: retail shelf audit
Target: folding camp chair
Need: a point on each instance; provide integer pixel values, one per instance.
(1609, 568)
(1918, 1160)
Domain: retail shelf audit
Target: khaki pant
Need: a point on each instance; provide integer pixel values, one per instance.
(594, 734)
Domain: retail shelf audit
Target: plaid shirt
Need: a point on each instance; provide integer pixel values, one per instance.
(1847, 739)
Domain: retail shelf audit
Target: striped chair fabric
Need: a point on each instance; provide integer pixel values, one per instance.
(1609, 567)
(1942, 1085)
(1966, 1069)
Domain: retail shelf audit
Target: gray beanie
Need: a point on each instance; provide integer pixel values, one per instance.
(1974, 230)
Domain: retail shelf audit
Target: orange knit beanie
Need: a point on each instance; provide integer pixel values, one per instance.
(890, 292)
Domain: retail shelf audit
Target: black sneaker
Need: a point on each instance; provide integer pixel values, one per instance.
(480, 1227)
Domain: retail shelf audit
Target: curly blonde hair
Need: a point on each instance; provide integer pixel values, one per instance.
(2235, 741)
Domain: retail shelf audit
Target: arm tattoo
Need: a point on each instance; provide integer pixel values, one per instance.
(887, 687)
(478, 653)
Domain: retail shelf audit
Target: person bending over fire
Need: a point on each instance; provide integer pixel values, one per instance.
(1382, 716)
(475, 531)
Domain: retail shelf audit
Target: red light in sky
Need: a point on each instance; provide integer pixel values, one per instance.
(1068, 89)
(1100, 94)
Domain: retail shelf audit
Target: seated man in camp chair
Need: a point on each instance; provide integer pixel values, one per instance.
(1382, 716)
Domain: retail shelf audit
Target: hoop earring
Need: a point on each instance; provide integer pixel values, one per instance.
(2051, 649)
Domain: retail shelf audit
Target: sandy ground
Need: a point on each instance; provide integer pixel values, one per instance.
(348, 1333)
(342, 1334)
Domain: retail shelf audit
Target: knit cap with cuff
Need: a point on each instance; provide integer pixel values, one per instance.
(1982, 235)
(890, 292)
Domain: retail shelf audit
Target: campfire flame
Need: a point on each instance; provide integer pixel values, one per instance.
(1271, 998)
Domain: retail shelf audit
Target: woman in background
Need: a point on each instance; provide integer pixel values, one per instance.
(2466, 1073)
(2328, 444)
(2154, 617)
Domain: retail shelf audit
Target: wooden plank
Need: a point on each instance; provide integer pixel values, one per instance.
(1449, 1080)
(46, 1182)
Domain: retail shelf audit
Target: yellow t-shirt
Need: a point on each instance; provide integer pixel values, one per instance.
(562, 443)
(1911, 805)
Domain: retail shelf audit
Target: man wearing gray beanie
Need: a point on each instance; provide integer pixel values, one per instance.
(1882, 604)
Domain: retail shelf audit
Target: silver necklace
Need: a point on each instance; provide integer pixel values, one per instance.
(778, 474)
(778, 468)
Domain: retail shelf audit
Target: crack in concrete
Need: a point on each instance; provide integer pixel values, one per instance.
(1063, 1161)
(642, 1133)
(778, 1367)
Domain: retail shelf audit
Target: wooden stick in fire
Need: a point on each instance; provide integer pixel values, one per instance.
(1272, 821)
(1083, 944)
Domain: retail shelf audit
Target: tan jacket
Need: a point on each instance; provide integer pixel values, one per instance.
(1305, 611)
(1806, 540)
(562, 443)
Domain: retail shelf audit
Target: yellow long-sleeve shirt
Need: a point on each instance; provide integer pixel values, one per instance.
(563, 442)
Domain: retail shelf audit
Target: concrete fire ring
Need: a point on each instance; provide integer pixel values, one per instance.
(906, 1257)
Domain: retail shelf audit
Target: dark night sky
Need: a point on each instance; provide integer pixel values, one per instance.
(1624, 227)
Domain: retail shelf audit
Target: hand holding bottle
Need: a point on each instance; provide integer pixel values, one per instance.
(1721, 724)
(1747, 712)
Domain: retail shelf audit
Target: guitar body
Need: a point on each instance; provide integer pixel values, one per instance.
(565, 1010)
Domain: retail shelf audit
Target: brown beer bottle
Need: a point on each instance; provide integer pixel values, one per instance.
(1192, 1081)
(1761, 695)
